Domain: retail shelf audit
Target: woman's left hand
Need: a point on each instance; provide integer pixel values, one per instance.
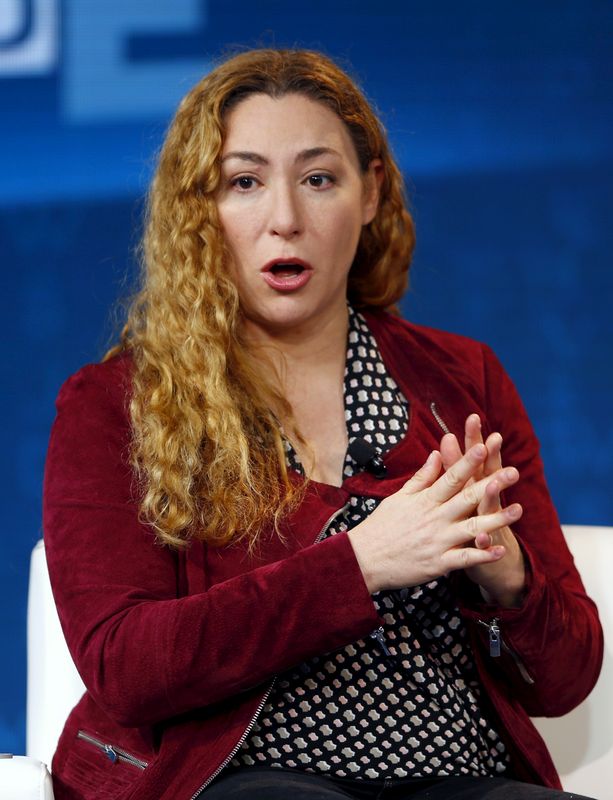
(503, 581)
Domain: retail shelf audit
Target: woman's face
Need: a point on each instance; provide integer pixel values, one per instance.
(292, 202)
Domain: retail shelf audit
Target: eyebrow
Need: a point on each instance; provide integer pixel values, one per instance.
(302, 156)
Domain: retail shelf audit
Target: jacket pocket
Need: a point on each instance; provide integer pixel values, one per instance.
(98, 770)
(114, 754)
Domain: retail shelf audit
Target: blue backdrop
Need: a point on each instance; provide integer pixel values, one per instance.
(499, 114)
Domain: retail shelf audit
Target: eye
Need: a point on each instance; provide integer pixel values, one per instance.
(243, 183)
(319, 181)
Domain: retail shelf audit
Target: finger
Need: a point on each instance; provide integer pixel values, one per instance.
(483, 540)
(472, 431)
(466, 501)
(491, 498)
(466, 557)
(494, 455)
(481, 528)
(450, 450)
(473, 436)
(455, 478)
(425, 475)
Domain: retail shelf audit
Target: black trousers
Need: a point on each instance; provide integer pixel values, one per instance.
(266, 783)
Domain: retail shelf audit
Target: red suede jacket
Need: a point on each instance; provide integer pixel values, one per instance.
(178, 649)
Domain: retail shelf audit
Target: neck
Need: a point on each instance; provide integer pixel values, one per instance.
(307, 346)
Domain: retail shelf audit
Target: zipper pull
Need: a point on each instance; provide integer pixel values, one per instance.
(379, 636)
(112, 755)
(495, 639)
(497, 644)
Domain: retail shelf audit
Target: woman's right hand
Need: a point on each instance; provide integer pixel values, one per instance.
(426, 529)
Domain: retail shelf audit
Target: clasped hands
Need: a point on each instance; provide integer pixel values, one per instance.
(448, 516)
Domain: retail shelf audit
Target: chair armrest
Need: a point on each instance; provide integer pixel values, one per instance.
(23, 778)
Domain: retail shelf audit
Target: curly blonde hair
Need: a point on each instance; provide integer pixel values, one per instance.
(206, 442)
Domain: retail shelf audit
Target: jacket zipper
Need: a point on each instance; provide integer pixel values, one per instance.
(497, 643)
(239, 744)
(379, 636)
(438, 418)
(494, 636)
(329, 522)
(264, 699)
(114, 754)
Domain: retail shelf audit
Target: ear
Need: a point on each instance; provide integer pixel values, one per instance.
(373, 180)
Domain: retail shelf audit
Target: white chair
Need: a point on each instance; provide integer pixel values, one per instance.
(581, 743)
(54, 685)
(53, 688)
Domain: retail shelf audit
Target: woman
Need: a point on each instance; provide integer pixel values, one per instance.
(274, 515)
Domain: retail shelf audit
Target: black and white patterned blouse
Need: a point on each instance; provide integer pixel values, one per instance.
(358, 712)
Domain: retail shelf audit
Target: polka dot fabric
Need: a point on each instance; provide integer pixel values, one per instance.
(404, 702)
(374, 407)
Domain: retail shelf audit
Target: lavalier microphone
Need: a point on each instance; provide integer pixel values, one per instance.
(367, 457)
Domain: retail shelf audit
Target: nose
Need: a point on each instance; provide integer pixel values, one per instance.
(285, 212)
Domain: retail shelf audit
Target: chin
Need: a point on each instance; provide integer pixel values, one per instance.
(284, 314)
(279, 320)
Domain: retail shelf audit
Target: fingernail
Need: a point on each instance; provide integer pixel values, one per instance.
(510, 473)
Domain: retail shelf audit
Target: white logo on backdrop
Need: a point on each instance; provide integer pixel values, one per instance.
(100, 82)
(28, 36)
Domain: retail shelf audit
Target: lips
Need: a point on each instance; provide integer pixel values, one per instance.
(287, 275)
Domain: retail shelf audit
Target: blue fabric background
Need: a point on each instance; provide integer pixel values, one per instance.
(499, 114)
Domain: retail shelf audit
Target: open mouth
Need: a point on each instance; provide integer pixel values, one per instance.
(282, 270)
(287, 276)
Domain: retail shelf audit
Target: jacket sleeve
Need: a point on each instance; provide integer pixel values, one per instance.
(555, 634)
(144, 651)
